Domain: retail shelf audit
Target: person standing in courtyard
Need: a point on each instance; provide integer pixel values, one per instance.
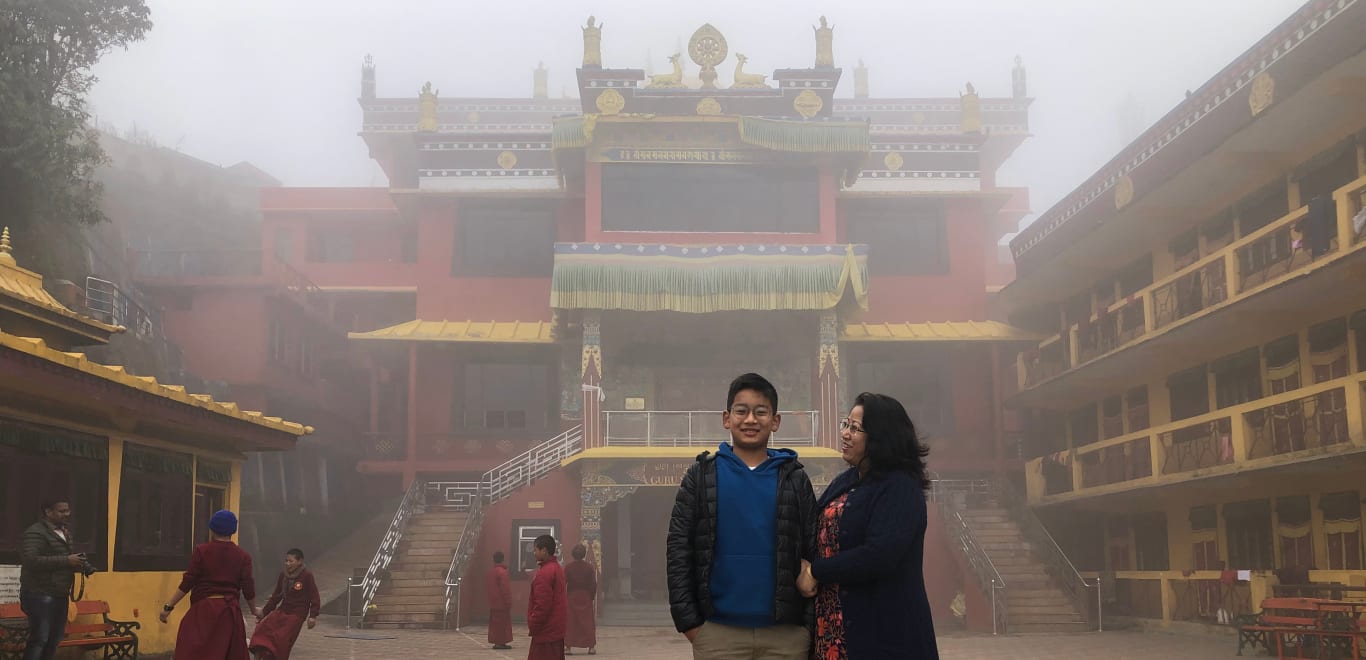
(867, 576)
(294, 601)
(582, 582)
(547, 612)
(743, 522)
(46, 575)
(219, 570)
(500, 604)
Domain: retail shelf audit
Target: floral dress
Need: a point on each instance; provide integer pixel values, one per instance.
(829, 616)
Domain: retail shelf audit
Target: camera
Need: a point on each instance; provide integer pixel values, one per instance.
(87, 569)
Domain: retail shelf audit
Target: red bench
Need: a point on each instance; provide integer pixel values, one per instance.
(117, 638)
(1303, 625)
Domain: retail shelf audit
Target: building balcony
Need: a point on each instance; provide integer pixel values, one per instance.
(1259, 266)
(190, 268)
(646, 432)
(1298, 426)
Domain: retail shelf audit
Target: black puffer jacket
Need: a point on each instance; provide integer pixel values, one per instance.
(692, 539)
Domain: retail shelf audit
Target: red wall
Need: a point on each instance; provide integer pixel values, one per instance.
(959, 295)
(559, 493)
(219, 318)
(442, 296)
(947, 573)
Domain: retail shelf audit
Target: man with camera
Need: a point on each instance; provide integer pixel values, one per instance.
(48, 572)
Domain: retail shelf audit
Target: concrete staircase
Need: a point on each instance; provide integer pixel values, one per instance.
(414, 594)
(1034, 603)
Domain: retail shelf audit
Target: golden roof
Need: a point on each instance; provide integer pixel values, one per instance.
(511, 332)
(27, 286)
(947, 331)
(78, 362)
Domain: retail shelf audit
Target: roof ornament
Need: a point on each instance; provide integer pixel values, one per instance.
(592, 45)
(6, 258)
(825, 52)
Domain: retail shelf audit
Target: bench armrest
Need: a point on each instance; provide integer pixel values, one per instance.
(122, 628)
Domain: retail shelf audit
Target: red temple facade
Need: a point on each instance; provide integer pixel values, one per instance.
(545, 306)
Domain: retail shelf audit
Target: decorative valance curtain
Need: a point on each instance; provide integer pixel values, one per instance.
(703, 279)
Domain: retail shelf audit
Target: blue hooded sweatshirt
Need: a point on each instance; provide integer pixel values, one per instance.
(744, 564)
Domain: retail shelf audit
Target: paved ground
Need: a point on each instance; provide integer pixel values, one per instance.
(659, 644)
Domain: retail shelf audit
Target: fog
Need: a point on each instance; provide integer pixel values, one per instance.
(275, 83)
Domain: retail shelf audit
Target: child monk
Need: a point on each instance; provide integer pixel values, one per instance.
(295, 600)
(547, 614)
(500, 604)
(582, 582)
(213, 629)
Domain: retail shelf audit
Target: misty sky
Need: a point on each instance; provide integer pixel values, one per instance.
(275, 82)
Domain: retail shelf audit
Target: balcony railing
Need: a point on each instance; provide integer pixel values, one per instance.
(240, 264)
(696, 428)
(1305, 422)
(1239, 269)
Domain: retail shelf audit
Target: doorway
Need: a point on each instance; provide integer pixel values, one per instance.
(207, 501)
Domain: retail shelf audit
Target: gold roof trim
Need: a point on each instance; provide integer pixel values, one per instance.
(117, 374)
(505, 332)
(26, 286)
(946, 331)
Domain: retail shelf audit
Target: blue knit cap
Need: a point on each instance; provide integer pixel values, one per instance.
(223, 523)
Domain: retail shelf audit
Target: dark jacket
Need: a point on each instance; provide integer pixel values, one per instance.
(879, 567)
(692, 540)
(43, 557)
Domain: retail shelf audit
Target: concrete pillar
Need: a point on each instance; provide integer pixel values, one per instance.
(828, 381)
(624, 547)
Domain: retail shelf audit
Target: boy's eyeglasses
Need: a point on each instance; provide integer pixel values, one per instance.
(848, 425)
(743, 413)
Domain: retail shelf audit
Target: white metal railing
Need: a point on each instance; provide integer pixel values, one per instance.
(531, 464)
(697, 428)
(953, 496)
(388, 547)
(460, 560)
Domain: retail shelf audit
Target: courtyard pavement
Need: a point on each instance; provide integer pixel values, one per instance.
(327, 642)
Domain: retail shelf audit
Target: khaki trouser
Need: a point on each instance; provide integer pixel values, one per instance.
(717, 641)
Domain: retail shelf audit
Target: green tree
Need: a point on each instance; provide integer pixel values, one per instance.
(48, 149)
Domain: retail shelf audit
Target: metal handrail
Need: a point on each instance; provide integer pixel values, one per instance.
(464, 550)
(645, 428)
(1070, 578)
(531, 464)
(989, 579)
(388, 547)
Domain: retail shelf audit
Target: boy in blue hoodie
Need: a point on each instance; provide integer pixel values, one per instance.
(743, 522)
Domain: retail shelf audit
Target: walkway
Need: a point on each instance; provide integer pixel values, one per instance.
(326, 641)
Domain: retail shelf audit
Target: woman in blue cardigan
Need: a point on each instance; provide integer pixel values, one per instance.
(867, 572)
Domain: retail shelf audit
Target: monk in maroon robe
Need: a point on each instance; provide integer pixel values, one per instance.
(547, 614)
(582, 582)
(294, 601)
(213, 629)
(500, 604)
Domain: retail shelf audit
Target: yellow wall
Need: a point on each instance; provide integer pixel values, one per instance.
(138, 596)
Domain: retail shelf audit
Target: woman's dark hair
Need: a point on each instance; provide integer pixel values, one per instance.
(891, 443)
(579, 552)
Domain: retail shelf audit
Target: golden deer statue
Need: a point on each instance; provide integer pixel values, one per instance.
(674, 79)
(746, 80)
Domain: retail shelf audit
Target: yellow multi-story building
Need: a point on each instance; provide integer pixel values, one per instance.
(1193, 421)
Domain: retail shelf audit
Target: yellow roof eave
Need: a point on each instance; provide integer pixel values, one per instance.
(78, 361)
(502, 332)
(927, 332)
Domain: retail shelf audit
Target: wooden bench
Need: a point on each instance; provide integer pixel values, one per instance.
(117, 638)
(1315, 625)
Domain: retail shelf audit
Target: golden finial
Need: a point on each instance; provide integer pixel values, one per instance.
(6, 257)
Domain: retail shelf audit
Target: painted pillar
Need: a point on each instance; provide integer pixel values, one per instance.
(997, 411)
(828, 381)
(596, 491)
(410, 458)
(591, 380)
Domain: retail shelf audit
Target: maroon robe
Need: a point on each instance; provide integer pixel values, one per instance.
(547, 613)
(213, 628)
(582, 581)
(500, 605)
(294, 601)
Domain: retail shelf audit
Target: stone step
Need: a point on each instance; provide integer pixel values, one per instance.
(383, 607)
(424, 583)
(427, 542)
(984, 525)
(377, 619)
(426, 589)
(428, 600)
(1062, 609)
(413, 553)
(418, 573)
(1049, 627)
